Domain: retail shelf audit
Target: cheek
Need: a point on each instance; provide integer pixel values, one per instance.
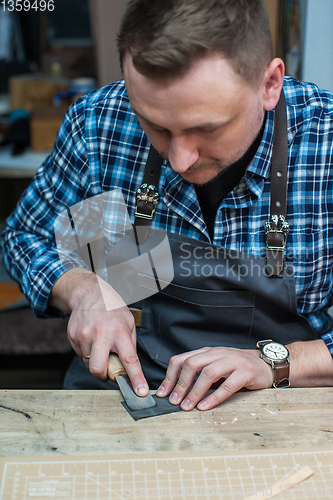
(238, 137)
(220, 146)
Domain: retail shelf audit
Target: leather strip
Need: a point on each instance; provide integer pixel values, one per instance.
(279, 167)
(281, 374)
(275, 241)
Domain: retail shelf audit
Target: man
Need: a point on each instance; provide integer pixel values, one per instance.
(202, 87)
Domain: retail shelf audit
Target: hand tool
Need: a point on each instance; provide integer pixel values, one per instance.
(138, 407)
(117, 372)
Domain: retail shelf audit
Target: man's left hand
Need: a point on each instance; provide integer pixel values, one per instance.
(234, 368)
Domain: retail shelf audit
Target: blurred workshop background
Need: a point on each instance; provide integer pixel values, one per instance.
(51, 52)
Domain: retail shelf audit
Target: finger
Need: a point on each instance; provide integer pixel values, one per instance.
(81, 349)
(86, 360)
(85, 350)
(246, 371)
(191, 367)
(210, 373)
(171, 376)
(232, 384)
(126, 351)
(173, 371)
(79, 338)
(238, 369)
(112, 337)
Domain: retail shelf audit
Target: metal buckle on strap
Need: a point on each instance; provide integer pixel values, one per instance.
(284, 382)
(145, 196)
(277, 224)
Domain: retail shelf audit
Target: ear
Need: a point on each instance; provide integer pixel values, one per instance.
(273, 81)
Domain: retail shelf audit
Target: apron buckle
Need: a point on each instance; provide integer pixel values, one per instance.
(277, 224)
(147, 199)
(276, 230)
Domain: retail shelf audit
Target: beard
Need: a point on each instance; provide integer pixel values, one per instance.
(215, 167)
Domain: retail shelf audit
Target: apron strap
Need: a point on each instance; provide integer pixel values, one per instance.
(276, 228)
(147, 197)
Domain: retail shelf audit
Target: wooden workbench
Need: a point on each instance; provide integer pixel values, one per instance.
(60, 423)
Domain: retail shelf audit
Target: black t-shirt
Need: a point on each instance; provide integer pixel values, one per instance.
(211, 194)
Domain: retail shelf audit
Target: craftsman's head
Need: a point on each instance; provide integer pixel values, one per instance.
(199, 74)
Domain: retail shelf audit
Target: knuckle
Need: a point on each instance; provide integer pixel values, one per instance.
(208, 372)
(131, 359)
(195, 393)
(227, 388)
(167, 379)
(214, 398)
(85, 335)
(190, 363)
(181, 384)
(174, 360)
(71, 332)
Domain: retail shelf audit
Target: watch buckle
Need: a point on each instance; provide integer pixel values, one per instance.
(261, 343)
(277, 383)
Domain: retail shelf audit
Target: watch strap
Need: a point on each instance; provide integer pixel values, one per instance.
(281, 374)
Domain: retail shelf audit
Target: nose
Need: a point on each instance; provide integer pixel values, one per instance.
(182, 153)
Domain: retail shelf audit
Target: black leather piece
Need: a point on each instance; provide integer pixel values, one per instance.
(274, 256)
(279, 167)
(162, 408)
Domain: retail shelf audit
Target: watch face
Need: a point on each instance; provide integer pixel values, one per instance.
(275, 351)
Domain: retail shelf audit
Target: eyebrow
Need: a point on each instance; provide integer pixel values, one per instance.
(204, 126)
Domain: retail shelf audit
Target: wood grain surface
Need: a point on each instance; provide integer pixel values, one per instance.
(60, 423)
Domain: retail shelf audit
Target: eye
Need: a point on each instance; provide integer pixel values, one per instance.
(209, 130)
(153, 127)
(158, 129)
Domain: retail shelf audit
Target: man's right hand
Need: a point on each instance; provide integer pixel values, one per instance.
(99, 323)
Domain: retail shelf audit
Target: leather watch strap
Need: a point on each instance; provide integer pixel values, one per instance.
(281, 374)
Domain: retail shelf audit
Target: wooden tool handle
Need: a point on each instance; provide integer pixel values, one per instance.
(115, 367)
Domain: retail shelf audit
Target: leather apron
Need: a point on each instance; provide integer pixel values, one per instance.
(218, 296)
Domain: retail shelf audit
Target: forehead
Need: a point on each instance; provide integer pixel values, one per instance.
(210, 90)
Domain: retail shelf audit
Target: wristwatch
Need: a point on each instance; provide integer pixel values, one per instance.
(276, 355)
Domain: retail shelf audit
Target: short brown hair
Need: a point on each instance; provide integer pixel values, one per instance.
(165, 37)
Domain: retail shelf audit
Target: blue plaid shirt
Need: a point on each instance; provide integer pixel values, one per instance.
(101, 147)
